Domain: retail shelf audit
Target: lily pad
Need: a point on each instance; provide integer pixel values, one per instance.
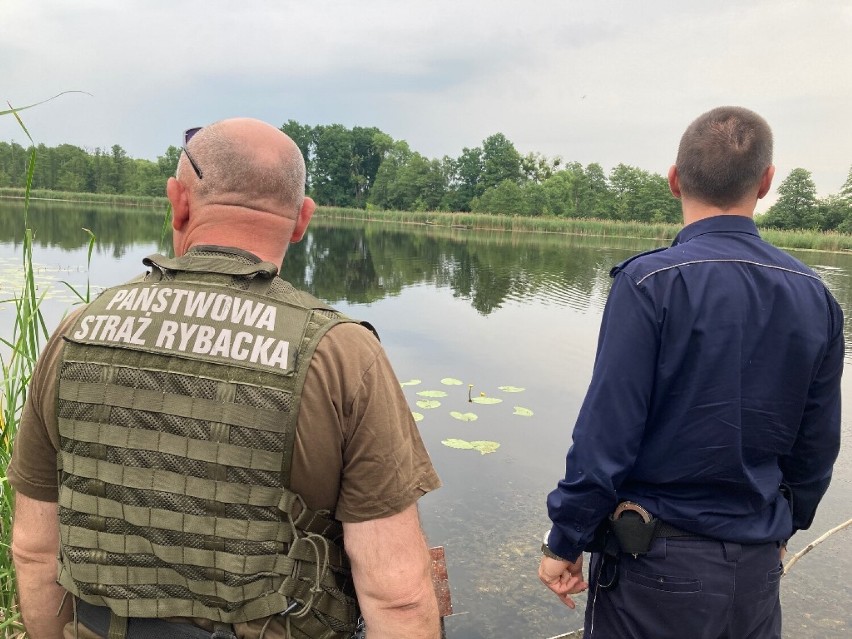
(410, 382)
(426, 404)
(457, 443)
(524, 412)
(418, 417)
(485, 447)
(465, 417)
(511, 389)
(432, 393)
(486, 400)
(451, 381)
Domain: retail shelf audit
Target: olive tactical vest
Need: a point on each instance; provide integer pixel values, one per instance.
(177, 404)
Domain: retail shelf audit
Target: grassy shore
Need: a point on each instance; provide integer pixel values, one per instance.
(84, 198)
(804, 240)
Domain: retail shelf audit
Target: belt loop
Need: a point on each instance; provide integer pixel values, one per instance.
(733, 551)
(222, 631)
(117, 627)
(76, 621)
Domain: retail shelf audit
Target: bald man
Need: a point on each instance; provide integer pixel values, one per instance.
(199, 444)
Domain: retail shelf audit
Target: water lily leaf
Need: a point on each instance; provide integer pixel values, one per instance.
(485, 447)
(451, 381)
(524, 412)
(410, 382)
(426, 404)
(511, 389)
(432, 393)
(465, 417)
(486, 400)
(457, 443)
(418, 417)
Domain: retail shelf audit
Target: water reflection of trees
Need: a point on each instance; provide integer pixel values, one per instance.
(363, 263)
(60, 225)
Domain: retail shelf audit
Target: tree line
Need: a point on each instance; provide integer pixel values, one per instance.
(363, 167)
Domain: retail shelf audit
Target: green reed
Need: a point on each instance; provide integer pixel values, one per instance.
(21, 352)
(662, 232)
(117, 199)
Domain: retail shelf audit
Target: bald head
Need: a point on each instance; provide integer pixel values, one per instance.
(246, 163)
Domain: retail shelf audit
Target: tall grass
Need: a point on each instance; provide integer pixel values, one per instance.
(805, 240)
(22, 349)
(117, 199)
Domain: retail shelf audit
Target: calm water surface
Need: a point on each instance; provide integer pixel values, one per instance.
(489, 310)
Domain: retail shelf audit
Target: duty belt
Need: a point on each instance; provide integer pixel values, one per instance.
(97, 619)
(635, 528)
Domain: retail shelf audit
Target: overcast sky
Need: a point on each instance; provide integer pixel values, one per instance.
(609, 82)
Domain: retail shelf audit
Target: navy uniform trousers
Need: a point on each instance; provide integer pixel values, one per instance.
(686, 589)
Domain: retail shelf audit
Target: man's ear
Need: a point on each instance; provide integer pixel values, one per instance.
(766, 181)
(674, 181)
(302, 220)
(179, 199)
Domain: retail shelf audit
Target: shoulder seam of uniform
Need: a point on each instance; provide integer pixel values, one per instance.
(752, 262)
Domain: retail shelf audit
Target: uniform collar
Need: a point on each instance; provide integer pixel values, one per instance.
(717, 224)
(229, 250)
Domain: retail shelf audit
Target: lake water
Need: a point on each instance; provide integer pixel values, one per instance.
(488, 310)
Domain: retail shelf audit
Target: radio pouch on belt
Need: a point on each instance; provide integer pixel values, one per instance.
(634, 527)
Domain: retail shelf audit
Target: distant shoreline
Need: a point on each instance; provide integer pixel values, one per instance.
(663, 232)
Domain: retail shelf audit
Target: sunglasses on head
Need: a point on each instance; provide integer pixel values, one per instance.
(187, 136)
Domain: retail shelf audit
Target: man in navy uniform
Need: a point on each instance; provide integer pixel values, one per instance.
(712, 422)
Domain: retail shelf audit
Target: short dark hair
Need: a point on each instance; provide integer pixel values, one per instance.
(723, 154)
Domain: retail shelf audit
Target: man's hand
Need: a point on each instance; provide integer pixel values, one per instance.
(563, 577)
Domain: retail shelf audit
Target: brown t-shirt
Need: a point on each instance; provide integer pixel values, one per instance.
(357, 452)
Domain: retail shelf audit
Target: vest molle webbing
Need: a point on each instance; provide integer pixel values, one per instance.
(178, 398)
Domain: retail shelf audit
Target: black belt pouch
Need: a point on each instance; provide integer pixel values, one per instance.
(633, 533)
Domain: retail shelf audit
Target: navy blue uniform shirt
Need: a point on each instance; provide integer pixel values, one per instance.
(716, 381)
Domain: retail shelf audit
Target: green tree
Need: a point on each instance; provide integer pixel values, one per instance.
(119, 169)
(303, 136)
(507, 197)
(167, 163)
(464, 179)
(796, 206)
(384, 193)
(145, 178)
(13, 163)
(331, 177)
(408, 181)
(624, 182)
(101, 177)
(500, 161)
(559, 191)
(846, 189)
(73, 168)
(537, 168)
(600, 199)
(833, 213)
(369, 146)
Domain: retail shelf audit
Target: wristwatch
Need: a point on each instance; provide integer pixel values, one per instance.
(547, 552)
